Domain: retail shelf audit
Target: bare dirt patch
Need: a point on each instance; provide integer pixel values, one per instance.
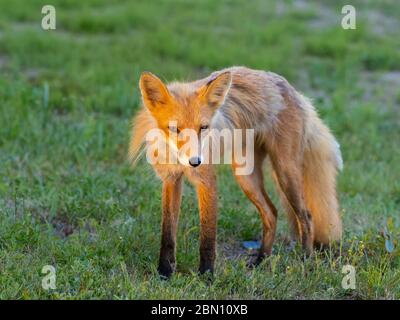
(62, 227)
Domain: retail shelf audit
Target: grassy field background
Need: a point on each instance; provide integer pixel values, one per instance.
(68, 197)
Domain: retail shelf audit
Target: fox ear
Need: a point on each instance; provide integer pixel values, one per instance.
(216, 89)
(153, 90)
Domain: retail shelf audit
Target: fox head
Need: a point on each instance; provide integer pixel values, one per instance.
(183, 111)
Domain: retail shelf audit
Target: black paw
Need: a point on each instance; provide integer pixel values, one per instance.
(165, 271)
(255, 261)
(206, 269)
(207, 274)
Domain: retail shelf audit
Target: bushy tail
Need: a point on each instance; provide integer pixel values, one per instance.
(322, 161)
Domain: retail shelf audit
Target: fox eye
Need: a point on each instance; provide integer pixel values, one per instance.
(204, 127)
(173, 129)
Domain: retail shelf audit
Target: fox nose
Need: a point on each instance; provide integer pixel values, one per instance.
(195, 161)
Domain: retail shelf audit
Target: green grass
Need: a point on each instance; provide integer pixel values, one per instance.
(68, 197)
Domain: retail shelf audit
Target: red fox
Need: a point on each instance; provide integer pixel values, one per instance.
(303, 154)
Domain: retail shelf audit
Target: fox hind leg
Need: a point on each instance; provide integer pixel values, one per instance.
(289, 177)
(253, 186)
(293, 220)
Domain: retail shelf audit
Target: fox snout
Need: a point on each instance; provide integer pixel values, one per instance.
(195, 161)
(190, 153)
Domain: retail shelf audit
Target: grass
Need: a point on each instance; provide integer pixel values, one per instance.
(68, 197)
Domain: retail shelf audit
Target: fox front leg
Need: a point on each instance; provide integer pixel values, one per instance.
(171, 200)
(207, 198)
